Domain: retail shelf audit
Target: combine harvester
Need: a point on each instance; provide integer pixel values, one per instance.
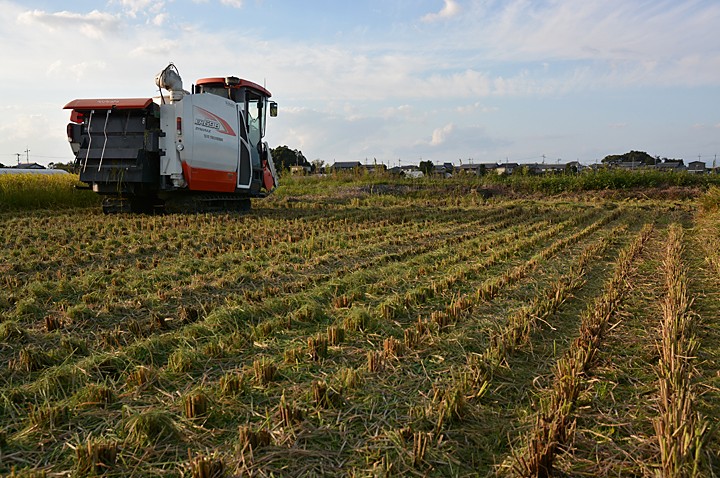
(185, 152)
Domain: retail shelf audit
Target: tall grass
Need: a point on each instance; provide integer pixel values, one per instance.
(40, 191)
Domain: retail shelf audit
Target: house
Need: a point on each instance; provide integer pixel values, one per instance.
(373, 168)
(345, 165)
(445, 170)
(441, 170)
(574, 167)
(557, 168)
(300, 170)
(670, 166)
(408, 171)
(697, 167)
(469, 168)
(507, 168)
(478, 168)
(628, 165)
(357, 166)
(28, 166)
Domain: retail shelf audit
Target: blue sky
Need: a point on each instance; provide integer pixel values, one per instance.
(397, 80)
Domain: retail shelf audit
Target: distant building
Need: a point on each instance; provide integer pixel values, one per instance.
(357, 166)
(507, 168)
(407, 171)
(554, 168)
(697, 167)
(670, 166)
(300, 170)
(28, 166)
(345, 165)
(628, 165)
(477, 168)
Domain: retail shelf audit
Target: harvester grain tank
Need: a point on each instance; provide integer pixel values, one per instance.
(200, 150)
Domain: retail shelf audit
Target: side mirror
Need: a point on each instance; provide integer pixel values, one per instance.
(273, 109)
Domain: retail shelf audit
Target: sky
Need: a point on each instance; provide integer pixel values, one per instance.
(392, 81)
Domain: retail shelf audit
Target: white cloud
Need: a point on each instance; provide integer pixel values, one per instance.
(449, 10)
(476, 107)
(158, 48)
(94, 24)
(159, 19)
(77, 71)
(132, 7)
(440, 135)
(232, 3)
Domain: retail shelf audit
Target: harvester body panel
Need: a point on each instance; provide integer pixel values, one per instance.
(204, 145)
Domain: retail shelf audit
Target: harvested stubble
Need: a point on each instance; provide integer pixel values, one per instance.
(554, 426)
(289, 413)
(264, 370)
(250, 439)
(342, 257)
(95, 458)
(680, 430)
(206, 466)
(196, 405)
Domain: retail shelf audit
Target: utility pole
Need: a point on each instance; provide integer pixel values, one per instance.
(27, 155)
(18, 157)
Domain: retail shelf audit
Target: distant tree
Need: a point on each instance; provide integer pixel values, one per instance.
(2, 166)
(285, 157)
(317, 165)
(427, 167)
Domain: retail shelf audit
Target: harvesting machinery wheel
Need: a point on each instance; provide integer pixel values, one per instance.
(136, 205)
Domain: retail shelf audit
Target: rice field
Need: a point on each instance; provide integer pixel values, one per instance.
(33, 191)
(364, 331)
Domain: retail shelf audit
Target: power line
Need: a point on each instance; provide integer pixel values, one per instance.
(70, 158)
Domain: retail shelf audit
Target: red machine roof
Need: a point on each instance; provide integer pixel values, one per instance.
(106, 104)
(245, 83)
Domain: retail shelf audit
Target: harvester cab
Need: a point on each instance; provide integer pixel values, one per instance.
(197, 150)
